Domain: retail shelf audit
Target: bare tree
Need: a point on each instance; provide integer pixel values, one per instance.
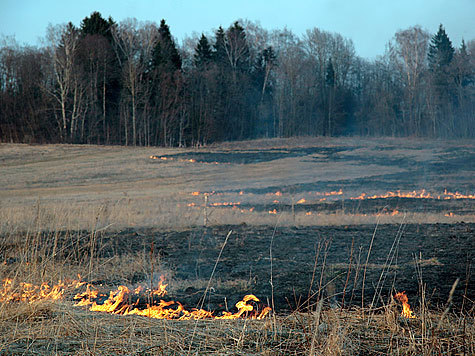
(134, 45)
(409, 53)
(67, 87)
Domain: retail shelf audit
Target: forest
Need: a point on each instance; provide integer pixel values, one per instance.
(131, 83)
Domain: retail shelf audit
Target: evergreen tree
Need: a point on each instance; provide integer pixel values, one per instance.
(95, 24)
(219, 54)
(203, 54)
(441, 51)
(165, 54)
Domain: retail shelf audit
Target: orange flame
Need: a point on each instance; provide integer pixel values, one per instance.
(422, 194)
(117, 303)
(123, 301)
(225, 204)
(301, 201)
(327, 194)
(273, 211)
(406, 309)
(30, 293)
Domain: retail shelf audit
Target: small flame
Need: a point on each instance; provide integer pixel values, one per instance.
(406, 309)
(273, 211)
(301, 201)
(308, 213)
(422, 194)
(225, 204)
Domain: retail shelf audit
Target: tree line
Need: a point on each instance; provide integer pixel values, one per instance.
(130, 83)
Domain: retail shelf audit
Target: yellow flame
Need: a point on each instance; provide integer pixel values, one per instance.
(119, 300)
(406, 309)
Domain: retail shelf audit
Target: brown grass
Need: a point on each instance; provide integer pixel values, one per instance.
(56, 328)
(78, 192)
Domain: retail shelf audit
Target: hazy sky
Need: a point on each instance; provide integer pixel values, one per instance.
(369, 23)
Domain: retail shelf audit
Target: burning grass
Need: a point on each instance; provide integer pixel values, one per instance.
(68, 210)
(37, 317)
(56, 328)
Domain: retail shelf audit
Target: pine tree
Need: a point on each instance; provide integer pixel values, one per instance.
(219, 54)
(95, 24)
(441, 51)
(165, 54)
(203, 54)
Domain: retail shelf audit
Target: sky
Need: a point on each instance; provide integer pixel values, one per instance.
(369, 23)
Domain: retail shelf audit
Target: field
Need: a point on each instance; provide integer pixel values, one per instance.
(323, 231)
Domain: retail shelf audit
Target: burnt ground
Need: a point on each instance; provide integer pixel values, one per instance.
(432, 255)
(429, 255)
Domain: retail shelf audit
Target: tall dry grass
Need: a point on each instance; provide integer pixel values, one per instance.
(320, 327)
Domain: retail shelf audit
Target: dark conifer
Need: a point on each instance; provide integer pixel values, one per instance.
(95, 24)
(441, 50)
(165, 54)
(203, 54)
(220, 55)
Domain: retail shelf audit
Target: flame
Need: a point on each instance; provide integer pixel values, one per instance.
(308, 213)
(189, 160)
(450, 214)
(422, 194)
(118, 303)
(327, 194)
(195, 193)
(406, 309)
(301, 201)
(225, 204)
(30, 293)
(273, 211)
(124, 301)
(279, 194)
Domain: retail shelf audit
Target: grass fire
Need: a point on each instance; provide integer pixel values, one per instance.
(265, 247)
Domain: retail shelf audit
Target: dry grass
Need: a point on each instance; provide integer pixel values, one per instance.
(73, 192)
(86, 186)
(56, 328)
